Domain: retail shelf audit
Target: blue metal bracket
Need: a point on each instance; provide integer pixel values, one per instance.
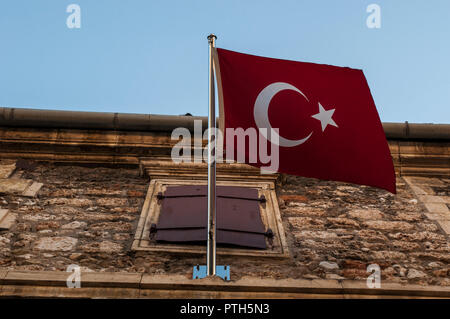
(221, 271)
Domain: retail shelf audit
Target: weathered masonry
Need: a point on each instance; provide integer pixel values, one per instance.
(99, 190)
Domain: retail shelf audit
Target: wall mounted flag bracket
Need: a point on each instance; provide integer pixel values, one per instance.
(221, 271)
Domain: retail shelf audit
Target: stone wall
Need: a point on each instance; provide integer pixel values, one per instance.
(87, 216)
(82, 215)
(337, 230)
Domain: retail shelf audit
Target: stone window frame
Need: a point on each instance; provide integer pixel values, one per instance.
(161, 178)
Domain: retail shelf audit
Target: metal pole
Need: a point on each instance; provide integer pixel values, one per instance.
(211, 247)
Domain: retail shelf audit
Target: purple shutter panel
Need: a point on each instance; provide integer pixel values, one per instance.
(183, 216)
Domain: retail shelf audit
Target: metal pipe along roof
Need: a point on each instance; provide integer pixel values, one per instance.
(22, 117)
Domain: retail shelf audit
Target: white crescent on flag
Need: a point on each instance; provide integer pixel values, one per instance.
(261, 114)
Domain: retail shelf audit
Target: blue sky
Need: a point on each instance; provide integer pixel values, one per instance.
(143, 56)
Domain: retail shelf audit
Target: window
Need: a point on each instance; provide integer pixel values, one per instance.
(152, 210)
(183, 216)
(237, 184)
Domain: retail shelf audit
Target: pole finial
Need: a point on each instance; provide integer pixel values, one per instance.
(211, 37)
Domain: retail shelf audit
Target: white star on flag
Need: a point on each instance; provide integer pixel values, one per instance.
(324, 117)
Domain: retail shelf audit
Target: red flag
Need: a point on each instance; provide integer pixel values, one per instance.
(328, 124)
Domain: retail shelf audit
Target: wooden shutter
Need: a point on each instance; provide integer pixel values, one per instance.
(183, 216)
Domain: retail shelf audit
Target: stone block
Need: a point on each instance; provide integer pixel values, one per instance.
(445, 224)
(436, 207)
(438, 216)
(352, 273)
(405, 245)
(306, 211)
(6, 170)
(413, 274)
(366, 214)
(419, 191)
(112, 202)
(328, 265)
(371, 235)
(133, 193)
(76, 202)
(36, 278)
(408, 216)
(47, 225)
(315, 234)
(119, 226)
(63, 292)
(388, 225)
(431, 199)
(74, 225)
(428, 181)
(14, 185)
(103, 247)
(306, 222)
(388, 255)
(7, 220)
(354, 264)
(32, 190)
(123, 280)
(343, 222)
(294, 198)
(3, 213)
(417, 236)
(56, 243)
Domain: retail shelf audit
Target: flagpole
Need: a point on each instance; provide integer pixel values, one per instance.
(211, 246)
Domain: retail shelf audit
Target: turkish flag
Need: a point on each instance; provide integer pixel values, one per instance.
(328, 125)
